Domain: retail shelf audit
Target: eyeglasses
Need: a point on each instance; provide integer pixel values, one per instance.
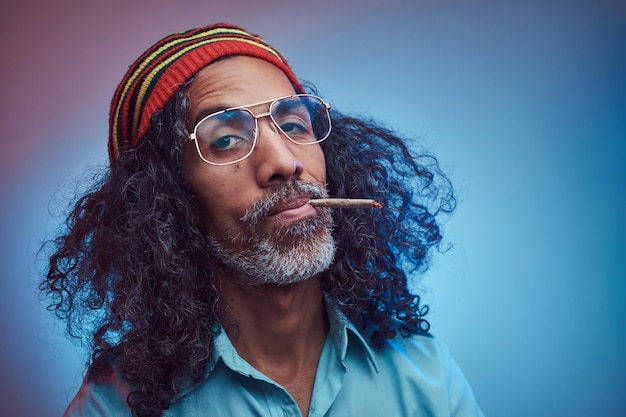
(230, 135)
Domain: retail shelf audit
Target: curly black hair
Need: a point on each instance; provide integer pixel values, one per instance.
(133, 271)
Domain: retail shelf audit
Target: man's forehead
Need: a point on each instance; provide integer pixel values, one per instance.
(232, 82)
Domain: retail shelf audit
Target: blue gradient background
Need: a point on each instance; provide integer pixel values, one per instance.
(523, 102)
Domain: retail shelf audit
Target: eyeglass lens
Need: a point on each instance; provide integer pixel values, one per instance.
(230, 136)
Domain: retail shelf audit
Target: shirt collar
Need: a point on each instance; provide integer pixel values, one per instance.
(342, 330)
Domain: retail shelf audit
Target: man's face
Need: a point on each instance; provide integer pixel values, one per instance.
(255, 211)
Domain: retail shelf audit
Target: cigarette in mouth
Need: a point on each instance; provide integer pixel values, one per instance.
(345, 203)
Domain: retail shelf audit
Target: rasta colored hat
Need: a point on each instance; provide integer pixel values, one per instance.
(156, 75)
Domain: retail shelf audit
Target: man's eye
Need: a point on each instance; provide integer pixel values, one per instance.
(293, 128)
(296, 126)
(227, 142)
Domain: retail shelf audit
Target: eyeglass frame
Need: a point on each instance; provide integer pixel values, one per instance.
(193, 138)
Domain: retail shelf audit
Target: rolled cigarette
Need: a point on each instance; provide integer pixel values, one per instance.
(345, 203)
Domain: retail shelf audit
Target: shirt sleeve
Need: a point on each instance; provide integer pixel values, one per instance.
(460, 396)
(102, 396)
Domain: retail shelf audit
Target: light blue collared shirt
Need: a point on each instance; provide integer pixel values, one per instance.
(407, 377)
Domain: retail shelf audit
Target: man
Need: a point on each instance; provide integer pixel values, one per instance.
(211, 284)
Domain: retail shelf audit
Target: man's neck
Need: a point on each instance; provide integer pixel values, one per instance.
(280, 332)
(280, 324)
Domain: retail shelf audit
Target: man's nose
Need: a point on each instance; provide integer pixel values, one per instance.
(274, 155)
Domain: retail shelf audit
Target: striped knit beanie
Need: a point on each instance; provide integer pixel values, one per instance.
(152, 80)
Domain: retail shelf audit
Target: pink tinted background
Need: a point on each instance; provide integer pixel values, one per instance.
(523, 102)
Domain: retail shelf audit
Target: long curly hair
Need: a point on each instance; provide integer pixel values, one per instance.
(133, 272)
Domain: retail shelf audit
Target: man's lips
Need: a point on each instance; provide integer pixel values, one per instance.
(292, 208)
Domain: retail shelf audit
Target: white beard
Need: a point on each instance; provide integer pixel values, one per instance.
(292, 254)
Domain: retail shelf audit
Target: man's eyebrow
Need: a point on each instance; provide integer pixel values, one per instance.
(219, 107)
(207, 111)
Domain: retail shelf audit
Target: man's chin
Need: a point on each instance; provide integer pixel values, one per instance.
(278, 262)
